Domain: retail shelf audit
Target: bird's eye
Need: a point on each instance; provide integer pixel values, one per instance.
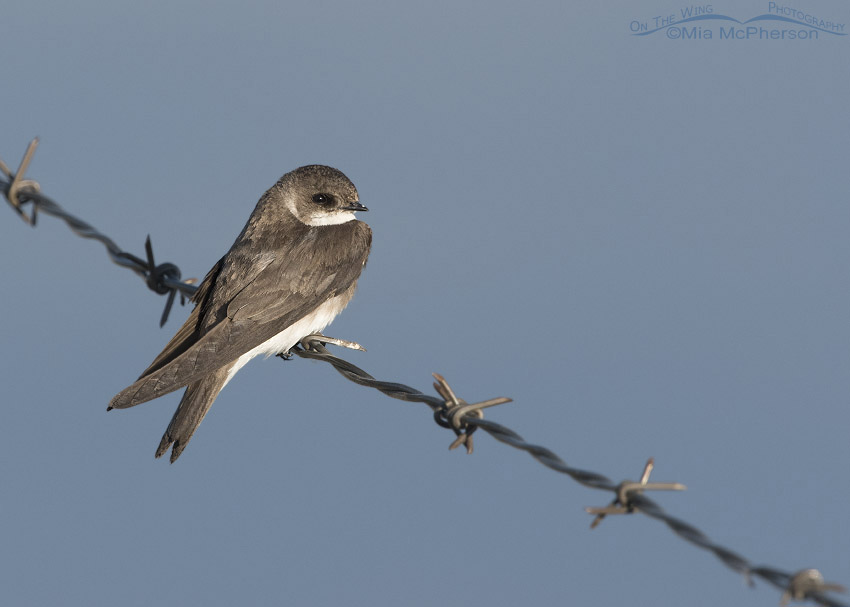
(322, 198)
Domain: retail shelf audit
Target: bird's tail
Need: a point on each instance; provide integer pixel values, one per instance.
(196, 401)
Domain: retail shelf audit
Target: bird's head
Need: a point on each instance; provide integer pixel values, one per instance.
(319, 195)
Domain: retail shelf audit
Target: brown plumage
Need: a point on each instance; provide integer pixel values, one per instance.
(293, 268)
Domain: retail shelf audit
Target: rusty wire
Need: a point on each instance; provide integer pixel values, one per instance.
(449, 411)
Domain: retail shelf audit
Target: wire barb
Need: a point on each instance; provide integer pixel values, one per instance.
(324, 339)
(156, 280)
(623, 503)
(453, 414)
(18, 190)
(808, 584)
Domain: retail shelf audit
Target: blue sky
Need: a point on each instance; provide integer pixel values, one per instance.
(641, 239)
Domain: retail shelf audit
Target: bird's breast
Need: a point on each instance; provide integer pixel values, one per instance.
(313, 322)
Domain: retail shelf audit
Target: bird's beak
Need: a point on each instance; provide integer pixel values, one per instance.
(354, 206)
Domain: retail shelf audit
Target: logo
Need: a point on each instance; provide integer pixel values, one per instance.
(701, 22)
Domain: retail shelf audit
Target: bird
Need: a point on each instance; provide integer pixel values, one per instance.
(288, 274)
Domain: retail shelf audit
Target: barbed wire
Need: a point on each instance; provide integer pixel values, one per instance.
(464, 419)
(162, 279)
(449, 411)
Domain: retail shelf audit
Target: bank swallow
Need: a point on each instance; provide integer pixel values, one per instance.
(293, 268)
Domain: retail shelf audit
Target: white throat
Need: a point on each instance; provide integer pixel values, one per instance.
(321, 219)
(331, 219)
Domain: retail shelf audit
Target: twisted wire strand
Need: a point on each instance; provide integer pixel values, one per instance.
(637, 501)
(165, 278)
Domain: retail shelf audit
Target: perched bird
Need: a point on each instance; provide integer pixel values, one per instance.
(293, 268)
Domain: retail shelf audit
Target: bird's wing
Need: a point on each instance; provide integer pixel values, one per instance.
(221, 284)
(288, 288)
(191, 330)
